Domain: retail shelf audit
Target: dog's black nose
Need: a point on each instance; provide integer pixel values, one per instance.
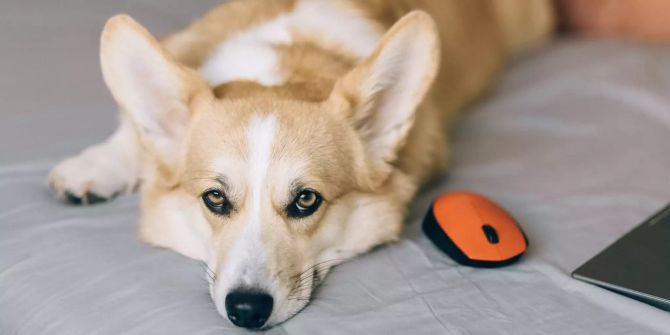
(248, 309)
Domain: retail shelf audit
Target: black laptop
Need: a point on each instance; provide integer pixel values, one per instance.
(637, 265)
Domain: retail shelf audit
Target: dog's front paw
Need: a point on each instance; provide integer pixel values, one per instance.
(98, 174)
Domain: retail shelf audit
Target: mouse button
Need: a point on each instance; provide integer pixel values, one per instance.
(453, 212)
(460, 222)
(510, 239)
(491, 234)
(494, 216)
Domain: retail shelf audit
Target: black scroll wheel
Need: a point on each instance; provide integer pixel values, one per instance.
(491, 234)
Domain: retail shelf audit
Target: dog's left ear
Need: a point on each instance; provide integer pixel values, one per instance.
(379, 97)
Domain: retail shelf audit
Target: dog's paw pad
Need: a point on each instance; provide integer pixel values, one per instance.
(86, 199)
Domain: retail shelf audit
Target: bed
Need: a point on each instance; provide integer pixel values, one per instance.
(573, 140)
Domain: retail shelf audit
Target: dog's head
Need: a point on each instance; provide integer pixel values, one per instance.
(267, 189)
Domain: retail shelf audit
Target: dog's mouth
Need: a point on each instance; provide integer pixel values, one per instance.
(300, 293)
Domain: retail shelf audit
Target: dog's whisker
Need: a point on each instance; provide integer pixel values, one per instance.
(304, 281)
(211, 275)
(208, 271)
(309, 278)
(319, 264)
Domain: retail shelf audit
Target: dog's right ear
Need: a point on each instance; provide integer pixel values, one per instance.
(149, 85)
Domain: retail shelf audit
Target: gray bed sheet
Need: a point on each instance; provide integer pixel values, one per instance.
(574, 141)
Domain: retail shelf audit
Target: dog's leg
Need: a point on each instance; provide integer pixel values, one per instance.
(101, 171)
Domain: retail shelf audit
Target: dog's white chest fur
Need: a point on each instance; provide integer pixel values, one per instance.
(251, 55)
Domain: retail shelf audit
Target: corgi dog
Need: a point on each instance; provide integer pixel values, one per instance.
(274, 139)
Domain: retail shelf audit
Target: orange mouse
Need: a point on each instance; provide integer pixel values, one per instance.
(474, 230)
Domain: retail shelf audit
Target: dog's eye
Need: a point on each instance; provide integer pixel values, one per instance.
(304, 204)
(216, 201)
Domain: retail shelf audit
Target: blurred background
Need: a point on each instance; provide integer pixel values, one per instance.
(51, 71)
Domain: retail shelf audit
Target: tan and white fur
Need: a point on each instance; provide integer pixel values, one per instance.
(261, 99)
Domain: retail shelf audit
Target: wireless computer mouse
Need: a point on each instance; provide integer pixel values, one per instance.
(474, 231)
